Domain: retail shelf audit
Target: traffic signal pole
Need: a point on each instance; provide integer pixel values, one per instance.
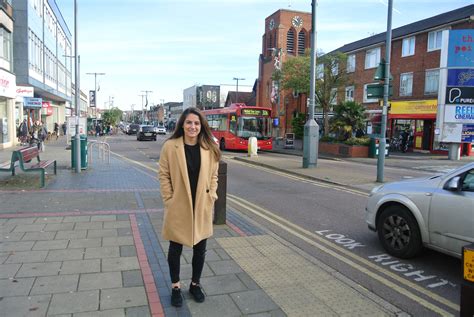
(383, 126)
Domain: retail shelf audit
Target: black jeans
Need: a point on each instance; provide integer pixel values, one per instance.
(174, 255)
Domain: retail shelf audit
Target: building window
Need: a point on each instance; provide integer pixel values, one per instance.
(372, 58)
(408, 46)
(350, 93)
(301, 42)
(5, 52)
(320, 71)
(351, 63)
(270, 44)
(333, 96)
(335, 69)
(431, 82)
(406, 84)
(368, 100)
(434, 40)
(290, 41)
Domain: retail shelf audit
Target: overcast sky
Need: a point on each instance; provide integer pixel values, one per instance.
(166, 46)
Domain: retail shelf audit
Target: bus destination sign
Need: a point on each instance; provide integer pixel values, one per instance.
(255, 112)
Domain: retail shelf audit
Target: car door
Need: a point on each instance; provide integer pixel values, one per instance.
(451, 218)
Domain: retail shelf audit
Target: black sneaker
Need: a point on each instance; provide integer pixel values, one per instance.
(197, 293)
(176, 297)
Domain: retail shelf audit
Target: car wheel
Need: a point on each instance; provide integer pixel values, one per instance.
(222, 144)
(154, 139)
(398, 232)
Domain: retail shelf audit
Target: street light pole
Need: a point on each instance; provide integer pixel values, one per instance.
(95, 91)
(383, 126)
(237, 88)
(311, 128)
(146, 98)
(77, 93)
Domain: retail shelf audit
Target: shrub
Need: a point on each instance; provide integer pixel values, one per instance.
(357, 141)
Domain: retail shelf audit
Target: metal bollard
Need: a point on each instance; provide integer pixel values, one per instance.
(220, 205)
(467, 286)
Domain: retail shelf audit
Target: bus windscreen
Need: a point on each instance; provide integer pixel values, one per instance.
(259, 127)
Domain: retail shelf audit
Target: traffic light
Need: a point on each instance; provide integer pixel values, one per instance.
(376, 90)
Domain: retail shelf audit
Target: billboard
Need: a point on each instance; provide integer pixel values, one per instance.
(460, 77)
(460, 48)
(208, 97)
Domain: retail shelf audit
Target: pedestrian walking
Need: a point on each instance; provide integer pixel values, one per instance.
(56, 130)
(189, 162)
(64, 127)
(42, 135)
(23, 132)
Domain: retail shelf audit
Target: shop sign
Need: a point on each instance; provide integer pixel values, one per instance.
(414, 107)
(7, 84)
(459, 113)
(460, 95)
(34, 103)
(24, 91)
(467, 134)
(461, 77)
(47, 109)
(461, 48)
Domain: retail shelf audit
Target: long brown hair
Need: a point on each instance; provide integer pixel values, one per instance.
(205, 138)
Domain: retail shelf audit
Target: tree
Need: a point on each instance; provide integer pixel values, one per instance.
(297, 123)
(295, 75)
(112, 116)
(348, 117)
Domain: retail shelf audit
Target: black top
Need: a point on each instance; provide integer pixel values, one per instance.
(193, 162)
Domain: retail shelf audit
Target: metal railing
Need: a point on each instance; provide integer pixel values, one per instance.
(103, 149)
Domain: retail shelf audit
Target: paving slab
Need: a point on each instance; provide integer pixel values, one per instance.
(103, 313)
(77, 219)
(39, 269)
(15, 286)
(39, 236)
(81, 266)
(12, 236)
(9, 270)
(102, 252)
(74, 302)
(16, 246)
(55, 284)
(100, 281)
(92, 233)
(27, 257)
(140, 311)
(21, 221)
(29, 228)
(224, 267)
(50, 245)
(132, 278)
(116, 224)
(49, 220)
(21, 306)
(59, 226)
(252, 302)
(71, 234)
(120, 264)
(85, 243)
(104, 218)
(127, 250)
(65, 255)
(117, 241)
(223, 284)
(221, 305)
(88, 225)
(123, 297)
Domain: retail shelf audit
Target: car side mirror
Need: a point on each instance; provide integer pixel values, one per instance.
(453, 184)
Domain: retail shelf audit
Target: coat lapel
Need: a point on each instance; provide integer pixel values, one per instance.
(181, 159)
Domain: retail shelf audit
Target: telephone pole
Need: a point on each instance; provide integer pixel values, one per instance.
(146, 104)
(95, 91)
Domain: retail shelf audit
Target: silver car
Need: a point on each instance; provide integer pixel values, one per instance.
(435, 212)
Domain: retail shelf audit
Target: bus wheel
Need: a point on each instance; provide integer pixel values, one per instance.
(222, 145)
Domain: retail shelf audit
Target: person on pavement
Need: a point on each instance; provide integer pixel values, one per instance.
(188, 166)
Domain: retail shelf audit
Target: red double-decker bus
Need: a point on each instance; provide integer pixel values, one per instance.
(234, 125)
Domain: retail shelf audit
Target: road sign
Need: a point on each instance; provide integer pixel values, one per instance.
(376, 91)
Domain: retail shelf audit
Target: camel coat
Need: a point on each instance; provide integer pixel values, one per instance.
(180, 223)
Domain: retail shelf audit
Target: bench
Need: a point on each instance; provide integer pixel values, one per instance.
(9, 166)
(25, 155)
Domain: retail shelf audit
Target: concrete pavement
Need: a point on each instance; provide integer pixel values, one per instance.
(90, 245)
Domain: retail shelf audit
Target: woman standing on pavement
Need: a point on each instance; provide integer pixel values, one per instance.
(189, 161)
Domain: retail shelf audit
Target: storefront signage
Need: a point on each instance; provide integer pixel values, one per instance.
(24, 91)
(460, 77)
(47, 109)
(467, 134)
(460, 95)
(7, 84)
(255, 112)
(414, 107)
(459, 113)
(461, 48)
(35, 103)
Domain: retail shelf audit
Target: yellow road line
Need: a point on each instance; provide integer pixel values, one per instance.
(303, 233)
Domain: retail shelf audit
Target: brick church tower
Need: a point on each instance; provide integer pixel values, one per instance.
(287, 34)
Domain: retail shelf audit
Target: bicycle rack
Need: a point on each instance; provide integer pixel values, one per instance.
(102, 149)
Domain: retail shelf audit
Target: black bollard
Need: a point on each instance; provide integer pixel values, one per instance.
(467, 286)
(220, 204)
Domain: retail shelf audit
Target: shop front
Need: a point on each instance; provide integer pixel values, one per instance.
(414, 120)
(7, 106)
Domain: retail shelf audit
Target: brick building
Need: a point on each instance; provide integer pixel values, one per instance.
(287, 34)
(415, 65)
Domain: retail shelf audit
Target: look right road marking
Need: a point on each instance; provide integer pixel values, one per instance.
(303, 235)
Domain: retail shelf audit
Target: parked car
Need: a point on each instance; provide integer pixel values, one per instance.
(160, 130)
(436, 212)
(133, 128)
(146, 132)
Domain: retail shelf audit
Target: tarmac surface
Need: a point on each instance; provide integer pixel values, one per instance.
(90, 244)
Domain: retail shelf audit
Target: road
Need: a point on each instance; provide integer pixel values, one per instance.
(327, 222)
